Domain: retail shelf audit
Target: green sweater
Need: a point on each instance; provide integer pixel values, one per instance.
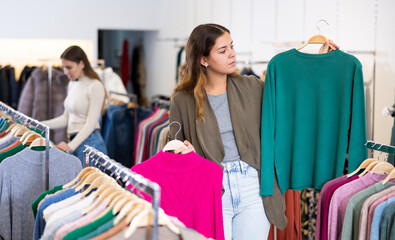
(307, 106)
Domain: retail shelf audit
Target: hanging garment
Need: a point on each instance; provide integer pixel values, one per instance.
(307, 106)
(191, 189)
(22, 179)
(112, 82)
(125, 63)
(4, 86)
(293, 230)
(33, 101)
(118, 133)
(364, 216)
(323, 234)
(179, 60)
(25, 75)
(372, 212)
(13, 87)
(138, 76)
(351, 220)
(340, 198)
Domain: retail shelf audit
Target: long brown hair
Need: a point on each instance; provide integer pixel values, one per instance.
(193, 78)
(76, 54)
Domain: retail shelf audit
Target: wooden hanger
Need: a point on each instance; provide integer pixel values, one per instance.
(174, 144)
(39, 142)
(102, 193)
(88, 180)
(363, 165)
(102, 180)
(83, 173)
(390, 176)
(21, 131)
(369, 168)
(31, 137)
(146, 218)
(382, 168)
(127, 208)
(317, 39)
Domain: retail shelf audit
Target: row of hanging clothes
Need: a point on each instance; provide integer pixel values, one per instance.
(95, 205)
(11, 85)
(361, 204)
(29, 165)
(153, 131)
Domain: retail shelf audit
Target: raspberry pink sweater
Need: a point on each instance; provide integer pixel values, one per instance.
(191, 189)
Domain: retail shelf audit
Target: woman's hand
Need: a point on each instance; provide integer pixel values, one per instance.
(64, 146)
(189, 148)
(325, 48)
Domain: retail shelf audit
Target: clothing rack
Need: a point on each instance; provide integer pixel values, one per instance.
(132, 96)
(128, 177)
(380, 147)
(27, 120)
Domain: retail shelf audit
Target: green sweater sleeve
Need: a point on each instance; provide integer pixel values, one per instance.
(268, 134)
(357, 151)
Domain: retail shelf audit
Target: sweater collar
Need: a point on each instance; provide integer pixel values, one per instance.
(172, 162)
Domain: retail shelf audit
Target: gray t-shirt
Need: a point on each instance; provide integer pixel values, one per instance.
(220, 105)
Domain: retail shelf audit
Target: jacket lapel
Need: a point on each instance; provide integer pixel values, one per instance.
(236, 115)
(209, 136)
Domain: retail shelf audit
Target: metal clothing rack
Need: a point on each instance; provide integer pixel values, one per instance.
(27, 120)
(132, 96)
(380, 147)
(128, 177)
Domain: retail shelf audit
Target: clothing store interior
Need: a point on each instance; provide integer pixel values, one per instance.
(319, 160)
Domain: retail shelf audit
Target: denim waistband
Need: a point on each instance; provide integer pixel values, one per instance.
(71, 136)
(235, 166)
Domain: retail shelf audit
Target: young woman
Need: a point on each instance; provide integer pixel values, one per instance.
(220, 115)
(83, 105)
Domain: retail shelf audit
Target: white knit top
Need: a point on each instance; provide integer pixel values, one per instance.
(82, 106)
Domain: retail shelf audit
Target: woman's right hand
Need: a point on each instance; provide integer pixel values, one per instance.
(183, 150)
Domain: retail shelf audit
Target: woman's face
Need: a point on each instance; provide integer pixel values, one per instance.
(222, 58)
(72, 69)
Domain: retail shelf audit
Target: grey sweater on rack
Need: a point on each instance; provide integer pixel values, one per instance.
(22, 180)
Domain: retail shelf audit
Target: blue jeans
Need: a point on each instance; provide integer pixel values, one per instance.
(94, 140)
(243, 211)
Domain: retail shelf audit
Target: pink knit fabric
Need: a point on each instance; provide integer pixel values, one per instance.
(339, 201)
(373, 207)
(191, 190)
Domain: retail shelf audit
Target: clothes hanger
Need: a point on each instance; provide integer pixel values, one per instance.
(21, 131)
(390, 176)
(84, 172)
(131, 206)
(174, 144)
(371, 166)
(87, 180)
(146, 218)
(40, 142)
(102, 193)
(363, 165)
(97, 183)
(31, 137)
(317, 39)
(382, 168)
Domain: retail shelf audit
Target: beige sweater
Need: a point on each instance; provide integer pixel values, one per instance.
(83, 106)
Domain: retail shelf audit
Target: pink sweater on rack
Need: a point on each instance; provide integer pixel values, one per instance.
(191, 189)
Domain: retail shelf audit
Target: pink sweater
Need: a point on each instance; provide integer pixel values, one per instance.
(191, 189)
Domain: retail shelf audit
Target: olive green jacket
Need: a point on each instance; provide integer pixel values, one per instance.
(245, 104)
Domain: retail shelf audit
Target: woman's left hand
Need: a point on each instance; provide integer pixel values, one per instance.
(325, 48)
(64, 146)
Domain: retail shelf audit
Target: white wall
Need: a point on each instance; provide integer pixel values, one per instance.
(74, 19)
